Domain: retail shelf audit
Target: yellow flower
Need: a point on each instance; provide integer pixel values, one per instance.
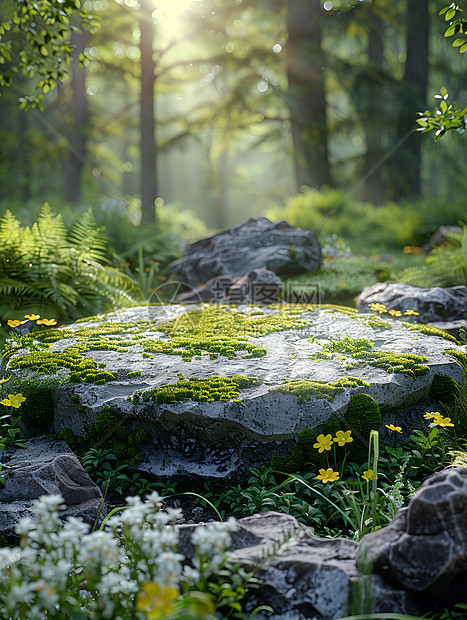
(323, 443)
(443, 422)
(13, 323)
(328, 475)
(395, 312)
(5, 380)
(13, 400)
(47, 322)
(369, 475)
(411, 313)
(391, 427)
(377, 308)
(343, 437)
(155, 601)
(430, 416)
(32, 317)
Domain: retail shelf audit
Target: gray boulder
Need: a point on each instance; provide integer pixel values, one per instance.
(42, 468)
(424, 548)
(255, 244)
(304, 577)
(142, 349)
(434, 305)
(259, 286)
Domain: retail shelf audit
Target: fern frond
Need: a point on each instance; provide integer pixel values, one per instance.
(89, 240)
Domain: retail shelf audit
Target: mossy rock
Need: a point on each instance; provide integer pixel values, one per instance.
(362, 416)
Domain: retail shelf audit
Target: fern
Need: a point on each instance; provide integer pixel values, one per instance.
(45, 269)
(445, 266)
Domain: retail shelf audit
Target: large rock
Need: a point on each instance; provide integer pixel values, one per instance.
(45, 467)
(255, 244)
(304, 577)
(149, 347)
(259, 286)
(424, 548)
(433, 304)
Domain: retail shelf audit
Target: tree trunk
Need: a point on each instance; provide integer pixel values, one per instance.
(371, 116)
(148, 142)
(75, 161)
(406, 165)
(305, 94)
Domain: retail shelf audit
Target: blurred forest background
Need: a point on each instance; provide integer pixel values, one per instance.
(185, 117)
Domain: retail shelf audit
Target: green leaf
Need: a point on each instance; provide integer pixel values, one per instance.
(450, 31)
(463, 48)
(458, 42)
(450, 13)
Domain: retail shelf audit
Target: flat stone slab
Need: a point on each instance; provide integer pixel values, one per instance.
(148, 347)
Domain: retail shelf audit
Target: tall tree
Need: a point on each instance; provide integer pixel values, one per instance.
(306, 93)
(77, 153)
(147, 122)
(406, 161)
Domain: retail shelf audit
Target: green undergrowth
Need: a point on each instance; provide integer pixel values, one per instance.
(362, 416)
(304, 390)
(109, 431)
(201, 390)
(355, 352)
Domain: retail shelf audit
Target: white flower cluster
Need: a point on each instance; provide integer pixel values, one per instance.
(62, 570)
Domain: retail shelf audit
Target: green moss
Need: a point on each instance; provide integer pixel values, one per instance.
(460, 356)
(430, 331)
(443, 388)
(362, 416)
(67, 435)
(37, 411)
(83, 369)
(202, 390)
(305, 389)
(134, 373)
(374, 321)
(301, 457)
(111, 432)
(74, 398)
(403, 363)
(360, 349)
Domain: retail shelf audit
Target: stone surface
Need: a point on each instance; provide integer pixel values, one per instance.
(42, 468)
(259, 286)
(433, 304)
(221, 438)
(424, 548)
(310, 578)
(255, 244)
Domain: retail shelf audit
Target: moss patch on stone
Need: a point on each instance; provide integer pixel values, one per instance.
(201, 390)
(83, 369)
(305, 389)
(430, 331)
(460, 356)
(361, 350)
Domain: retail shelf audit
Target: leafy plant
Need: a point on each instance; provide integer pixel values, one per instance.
(48, 270)
(8, 438)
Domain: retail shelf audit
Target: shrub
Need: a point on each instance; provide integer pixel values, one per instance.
(362, 416)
